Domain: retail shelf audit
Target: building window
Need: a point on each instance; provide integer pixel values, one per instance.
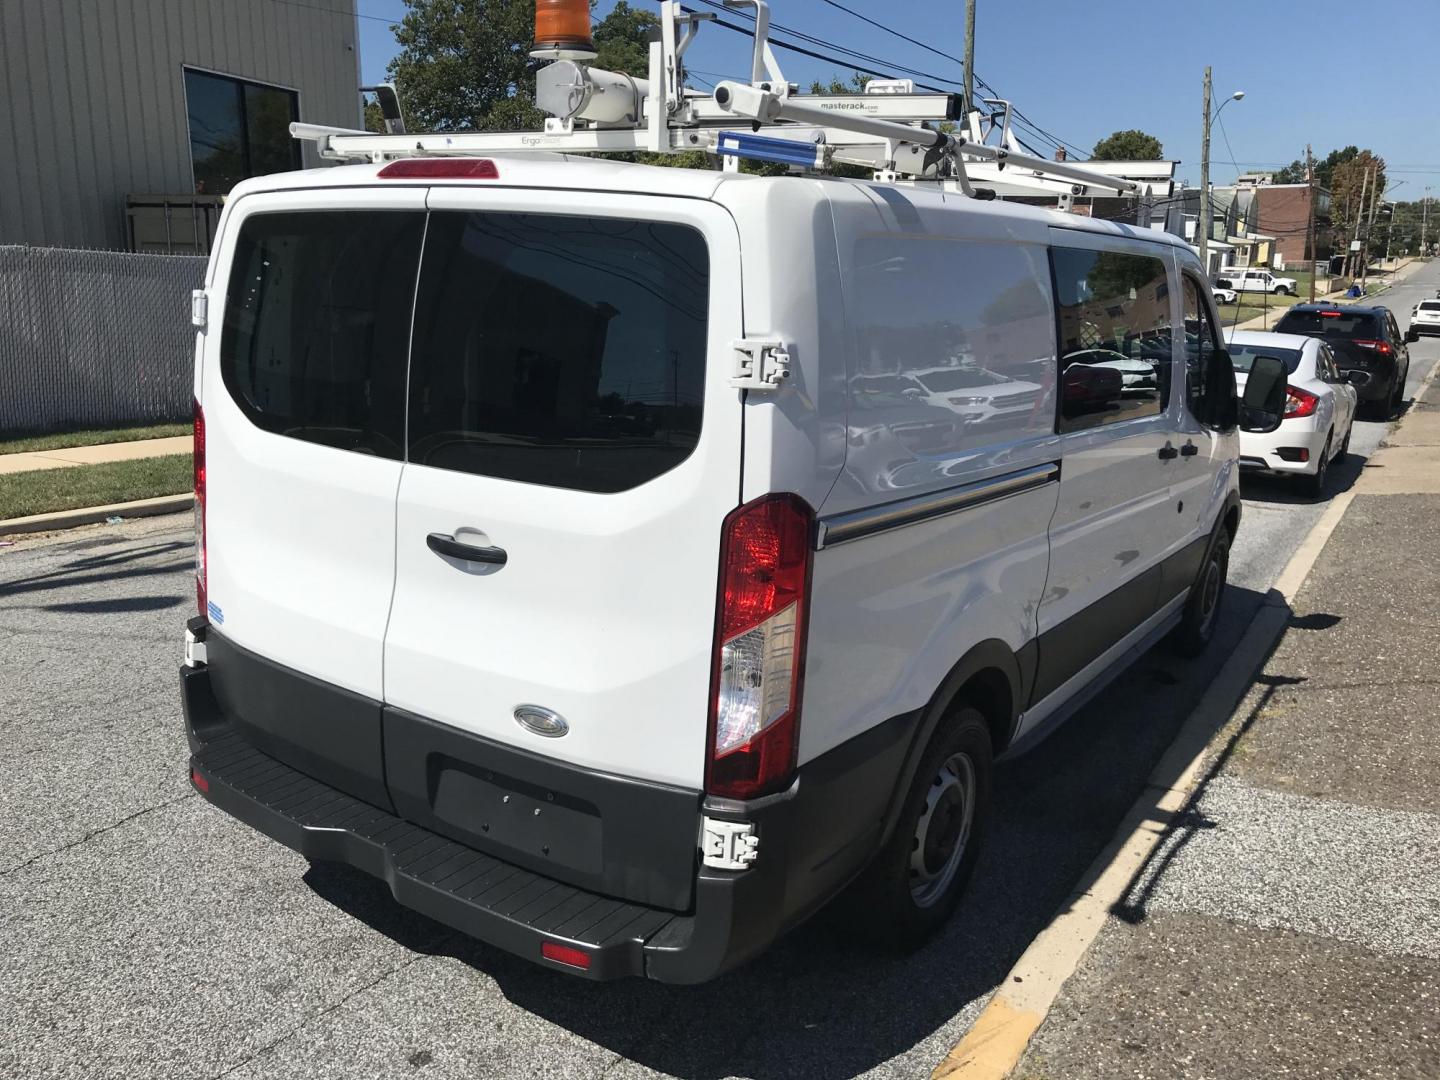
(238, 129)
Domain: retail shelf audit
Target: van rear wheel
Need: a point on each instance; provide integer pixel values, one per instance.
(918, 877)
(1202, 609)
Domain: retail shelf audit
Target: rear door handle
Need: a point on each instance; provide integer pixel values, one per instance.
(1189, 449)
(1167, 452)
(444, 544)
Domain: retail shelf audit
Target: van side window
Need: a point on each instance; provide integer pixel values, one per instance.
(1203, 348)
(317, 325)
(959, 331)
(555, 350)
(1115, 347)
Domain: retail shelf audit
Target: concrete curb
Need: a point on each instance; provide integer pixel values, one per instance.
(90, 515)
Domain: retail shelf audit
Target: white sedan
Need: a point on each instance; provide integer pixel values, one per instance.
(1319, 407)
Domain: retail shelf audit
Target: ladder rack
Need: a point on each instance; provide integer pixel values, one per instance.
(901, 135)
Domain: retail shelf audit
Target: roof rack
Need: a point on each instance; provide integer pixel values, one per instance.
(901, 135)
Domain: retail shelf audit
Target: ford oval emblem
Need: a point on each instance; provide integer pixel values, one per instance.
(541, 721)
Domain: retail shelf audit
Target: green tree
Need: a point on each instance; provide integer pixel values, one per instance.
(1132, 145)
(465, 64)
(622, 40)
(1350, 180)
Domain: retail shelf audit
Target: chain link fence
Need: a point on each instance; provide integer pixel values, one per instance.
(94, 338)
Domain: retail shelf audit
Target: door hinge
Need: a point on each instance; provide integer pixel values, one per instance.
(199, 308)
(760, 364)
(728, 845)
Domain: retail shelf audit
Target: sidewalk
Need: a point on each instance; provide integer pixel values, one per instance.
(1290, 923)
(93, 455)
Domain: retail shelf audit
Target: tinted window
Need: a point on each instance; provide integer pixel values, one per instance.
(565, 351)
(1430, 305)
(964, 327)
(238, 130)
(1115, 342)
(1242, 357)
(1343, 324)
(317, 319)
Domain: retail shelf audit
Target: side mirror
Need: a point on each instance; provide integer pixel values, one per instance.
(1263, 405)
(1355, 377)
(1412, 335)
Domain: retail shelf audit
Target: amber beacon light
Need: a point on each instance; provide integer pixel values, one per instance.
(562, 30)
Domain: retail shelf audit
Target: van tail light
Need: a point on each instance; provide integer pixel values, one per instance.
(440, 169)
(759, 664)
(1299, 402)
(199, 459)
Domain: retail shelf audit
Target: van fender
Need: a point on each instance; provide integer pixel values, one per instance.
(989, 655)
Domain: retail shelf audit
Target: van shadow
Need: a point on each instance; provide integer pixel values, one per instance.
(820, 1003)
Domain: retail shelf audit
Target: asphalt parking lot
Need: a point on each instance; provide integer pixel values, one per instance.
(148, 935)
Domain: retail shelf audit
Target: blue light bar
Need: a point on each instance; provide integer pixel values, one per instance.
(807, 155)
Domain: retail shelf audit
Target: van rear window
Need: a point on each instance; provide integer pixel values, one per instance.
(317, 325)
(557, 350)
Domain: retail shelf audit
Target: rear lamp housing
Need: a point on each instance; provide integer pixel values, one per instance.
(440, 168)
(759, 659)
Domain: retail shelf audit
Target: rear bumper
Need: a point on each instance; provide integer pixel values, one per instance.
(812, 839)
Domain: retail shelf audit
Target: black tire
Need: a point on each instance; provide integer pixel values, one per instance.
(1207, 596)
(893, 903)
(1314, 485)
(1345, 446)
(1281, 290)
(1397, 397)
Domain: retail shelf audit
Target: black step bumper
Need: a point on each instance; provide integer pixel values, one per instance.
(813, 838)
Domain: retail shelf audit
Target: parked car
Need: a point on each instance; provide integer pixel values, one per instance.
(1424, 319)
(1255, 281)
(1366, 340)
(1319, 407)
(976, 395)
(1224, 296)
(461, 630)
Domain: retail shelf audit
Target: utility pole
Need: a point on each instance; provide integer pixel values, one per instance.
(1369, 227)
(969, 55)
(1355, 241)
(1204, 224)
(1310, 219)
(1424, 222)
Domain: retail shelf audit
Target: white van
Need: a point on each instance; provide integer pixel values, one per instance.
(598, 553)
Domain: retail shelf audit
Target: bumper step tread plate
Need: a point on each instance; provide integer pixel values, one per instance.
(454, 884)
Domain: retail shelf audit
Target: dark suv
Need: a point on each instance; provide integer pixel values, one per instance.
(1364, 339)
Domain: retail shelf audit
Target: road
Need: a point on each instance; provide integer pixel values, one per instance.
(148, 935)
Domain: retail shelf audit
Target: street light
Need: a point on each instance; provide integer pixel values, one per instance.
(1204, 224)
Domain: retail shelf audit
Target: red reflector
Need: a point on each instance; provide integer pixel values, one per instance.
(441, 168)
(198, 780)
(564, 954)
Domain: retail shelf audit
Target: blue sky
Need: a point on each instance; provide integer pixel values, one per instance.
(1082, 70)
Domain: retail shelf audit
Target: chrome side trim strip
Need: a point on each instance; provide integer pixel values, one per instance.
(840, 528)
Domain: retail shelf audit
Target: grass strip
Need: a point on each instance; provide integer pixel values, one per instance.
(65, 440)
(46, 490)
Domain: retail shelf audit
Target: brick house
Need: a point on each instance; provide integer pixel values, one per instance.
(1282, 211)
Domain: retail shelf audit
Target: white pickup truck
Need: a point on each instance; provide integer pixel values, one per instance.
(1254, 281)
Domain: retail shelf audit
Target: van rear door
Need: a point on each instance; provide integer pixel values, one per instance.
(573, 448)
(302, 385)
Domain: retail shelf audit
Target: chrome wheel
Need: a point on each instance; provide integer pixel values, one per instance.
(943, 831)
